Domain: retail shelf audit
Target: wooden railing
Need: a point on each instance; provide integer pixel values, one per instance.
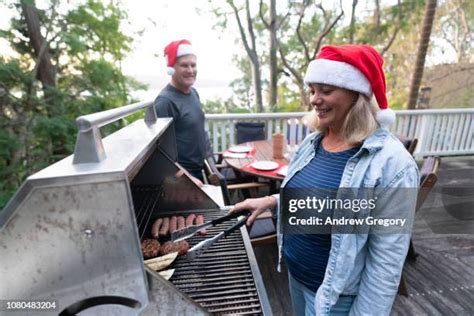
(440, 132)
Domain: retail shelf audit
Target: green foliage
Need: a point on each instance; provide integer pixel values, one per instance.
(224, 106)
(289, 100)
(37, 122)
(455, 21)
(213, 107)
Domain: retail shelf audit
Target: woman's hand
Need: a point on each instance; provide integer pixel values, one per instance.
(255, 206)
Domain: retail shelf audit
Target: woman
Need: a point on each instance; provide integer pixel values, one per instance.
(341, 274)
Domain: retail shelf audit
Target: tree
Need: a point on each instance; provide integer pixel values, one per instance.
(66, 63)
(249, 42)
(353, 19)
(455, 26)
(300, 28)
(299, 41)
(430, 10)
(272, 27)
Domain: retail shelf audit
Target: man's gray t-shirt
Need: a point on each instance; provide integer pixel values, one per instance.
(188, 118)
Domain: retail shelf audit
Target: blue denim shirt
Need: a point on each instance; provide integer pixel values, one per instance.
(366, 265)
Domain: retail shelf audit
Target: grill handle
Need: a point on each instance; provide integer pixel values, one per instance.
(89, 147)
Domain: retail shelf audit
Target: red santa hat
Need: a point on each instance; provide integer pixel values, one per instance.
(174, 50)
(353, 67)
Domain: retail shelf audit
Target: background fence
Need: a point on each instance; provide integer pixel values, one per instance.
(446, 132)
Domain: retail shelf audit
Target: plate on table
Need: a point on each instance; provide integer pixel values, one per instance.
(265, 165)
(283, 171)
(240, 149)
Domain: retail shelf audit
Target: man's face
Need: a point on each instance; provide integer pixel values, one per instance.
(185, 71)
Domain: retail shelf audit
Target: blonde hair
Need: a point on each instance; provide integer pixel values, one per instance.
(360, 121)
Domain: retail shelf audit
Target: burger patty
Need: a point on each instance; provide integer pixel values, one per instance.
(180, 246)
(150, 248)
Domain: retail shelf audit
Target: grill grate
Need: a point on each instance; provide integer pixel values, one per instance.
(221, 279)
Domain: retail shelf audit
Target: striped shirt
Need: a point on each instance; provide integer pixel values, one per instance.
(307, 255)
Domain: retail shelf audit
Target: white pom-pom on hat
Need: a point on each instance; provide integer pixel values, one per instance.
(170, 71)
(385, 117)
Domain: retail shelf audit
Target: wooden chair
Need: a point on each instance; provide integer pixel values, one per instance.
(249, 131)
(215, 177)
(409, 143)
(428, 178)
(263, 230)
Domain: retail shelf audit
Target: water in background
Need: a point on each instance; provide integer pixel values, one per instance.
(205, 93)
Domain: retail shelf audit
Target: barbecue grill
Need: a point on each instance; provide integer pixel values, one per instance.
(71, 234)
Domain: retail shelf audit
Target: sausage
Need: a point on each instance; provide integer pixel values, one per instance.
(173, 224)
(190, 219)
(181, 222)
(155, 229)
(165, 227)
(199, 221)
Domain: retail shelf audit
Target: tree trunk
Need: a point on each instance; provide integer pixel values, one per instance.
(352, 25)
(257, 82)
(45, 69)
(46, 73)
(430, 11)
(377, 16)
(273, 56)
(251, 50)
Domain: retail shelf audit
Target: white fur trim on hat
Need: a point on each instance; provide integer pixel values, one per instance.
(170, 71)
(339, 74)
(184, 49)
(385, 117)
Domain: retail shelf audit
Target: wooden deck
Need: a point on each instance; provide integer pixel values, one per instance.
(441, 279)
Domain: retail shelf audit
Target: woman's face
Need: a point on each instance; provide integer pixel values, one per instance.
(331, 104)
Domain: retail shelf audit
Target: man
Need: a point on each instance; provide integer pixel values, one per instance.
(180, 101)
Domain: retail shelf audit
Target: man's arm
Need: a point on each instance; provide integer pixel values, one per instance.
(164, 107)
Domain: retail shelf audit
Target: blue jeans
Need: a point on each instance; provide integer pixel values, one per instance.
(302, 300)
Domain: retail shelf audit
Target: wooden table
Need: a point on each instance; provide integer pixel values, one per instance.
(263, 151)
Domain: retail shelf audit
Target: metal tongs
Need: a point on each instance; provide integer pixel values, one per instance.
(193, 229)
(199, 248)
